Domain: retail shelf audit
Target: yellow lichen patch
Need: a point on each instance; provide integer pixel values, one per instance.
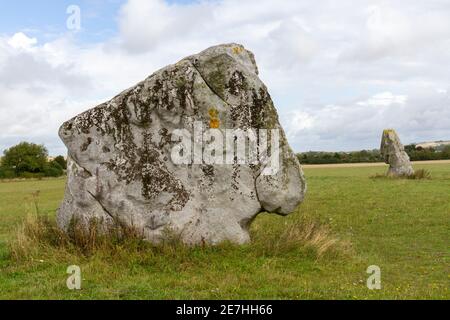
(213, 113)
(214, 122)
(388, 131)
(237, 50)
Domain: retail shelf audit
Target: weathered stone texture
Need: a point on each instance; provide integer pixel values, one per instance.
(120, 166)
(394, 154)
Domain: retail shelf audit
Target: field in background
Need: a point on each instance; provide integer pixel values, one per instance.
(418, 164)
(402, 226)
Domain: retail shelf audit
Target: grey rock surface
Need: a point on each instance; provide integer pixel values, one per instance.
(120, 158)
(394, 154)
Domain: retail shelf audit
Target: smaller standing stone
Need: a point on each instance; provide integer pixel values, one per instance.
(394, 154)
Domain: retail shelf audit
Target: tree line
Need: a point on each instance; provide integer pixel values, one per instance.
(29, 160)
(319, 157)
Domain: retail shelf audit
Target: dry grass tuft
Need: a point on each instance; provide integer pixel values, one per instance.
(303, 236)
(420, 174)
(39, 235)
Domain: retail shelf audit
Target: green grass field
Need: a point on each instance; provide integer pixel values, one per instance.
(403, 226)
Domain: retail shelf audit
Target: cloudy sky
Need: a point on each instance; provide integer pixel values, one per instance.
(339, 72)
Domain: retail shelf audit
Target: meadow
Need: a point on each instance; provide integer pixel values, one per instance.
(348, 222)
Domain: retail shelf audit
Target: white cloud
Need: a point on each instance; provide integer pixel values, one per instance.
(144, 24)
(297, 123)
(358, 124)
(398, 29)
(37, 91)
(21, 41)
(384, 99)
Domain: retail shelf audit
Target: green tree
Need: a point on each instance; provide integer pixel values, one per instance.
(61, 161)
(53, 169)
(446, 153)
(25, 157)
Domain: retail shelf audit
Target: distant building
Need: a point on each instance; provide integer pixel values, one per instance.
(437, 145)
(51, 158)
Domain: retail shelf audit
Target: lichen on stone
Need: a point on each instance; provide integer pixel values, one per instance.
(121, 153)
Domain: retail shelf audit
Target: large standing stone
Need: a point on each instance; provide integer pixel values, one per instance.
(121, 167)
(394, 154)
